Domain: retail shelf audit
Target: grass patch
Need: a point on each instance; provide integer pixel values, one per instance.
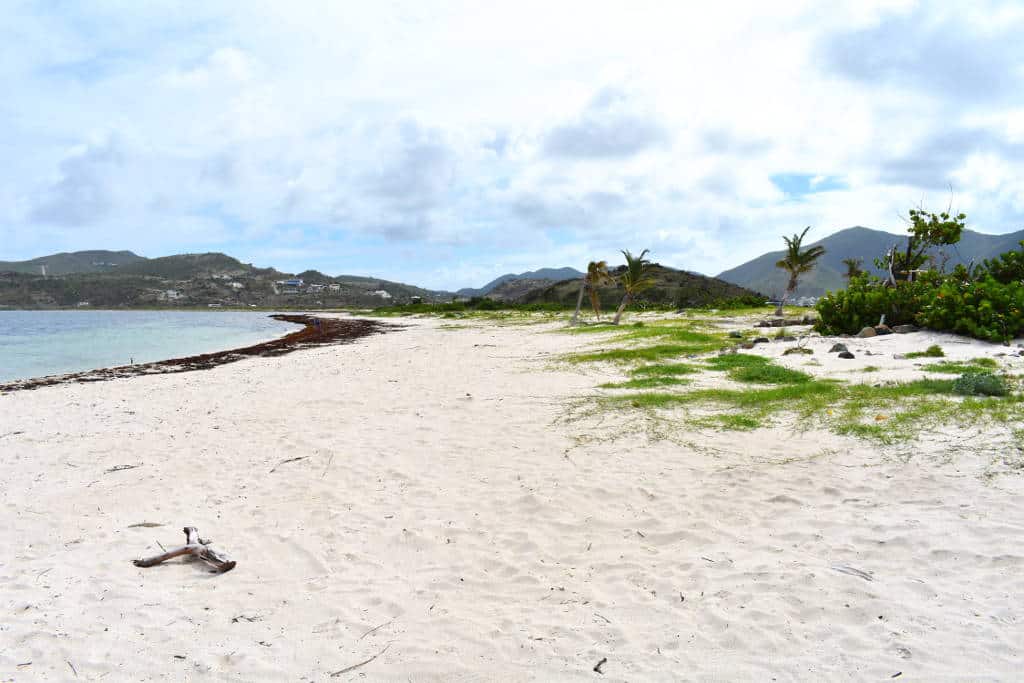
(664, 370)
(950, 367)
(870, 368)
(933, 351)
(644, 353)
(733, 361)
(646, 383)
(769, 374)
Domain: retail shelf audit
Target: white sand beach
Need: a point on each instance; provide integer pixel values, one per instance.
(439, 516)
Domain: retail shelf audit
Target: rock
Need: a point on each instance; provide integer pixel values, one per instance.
(904, 329)
(882, 329)
(786, 339)
(868, 353)
(736, 334)
(797, 349)
(846, 354)
(899, 356)
(867, 332)
(747, 345)
(762, 340)
(838, 348)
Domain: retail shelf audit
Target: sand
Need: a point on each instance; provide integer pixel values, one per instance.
(445, 519)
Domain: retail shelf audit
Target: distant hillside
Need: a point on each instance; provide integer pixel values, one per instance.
(185, 266)
(553, 274)
(516, 289)
(672, 288)
(65, 263)
(858, 242)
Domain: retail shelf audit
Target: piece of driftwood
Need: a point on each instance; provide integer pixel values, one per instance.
(196, 547)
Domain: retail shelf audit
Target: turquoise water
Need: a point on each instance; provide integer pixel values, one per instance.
(38, 343)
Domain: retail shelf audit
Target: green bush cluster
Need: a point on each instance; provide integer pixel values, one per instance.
(866, 299)
(980, 384)
(986, 304)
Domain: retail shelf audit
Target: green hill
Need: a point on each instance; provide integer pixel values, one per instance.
(66, 263)
(865, 244)
(185, 266)
(672, 288)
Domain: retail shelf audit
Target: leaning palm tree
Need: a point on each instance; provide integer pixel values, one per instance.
(634, 280)
(596, 276)
(797, 263)
(853, 268)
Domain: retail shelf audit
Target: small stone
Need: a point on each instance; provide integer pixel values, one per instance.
(762, 340)
(838, 348)
(846, 354)
(899, 356)
(747, 345)
(904, 329)
(882, 329)
(867, 332)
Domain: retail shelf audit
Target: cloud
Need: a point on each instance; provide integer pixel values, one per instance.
(932, 161)
(609, 128)
(81, 194)
(933, 49)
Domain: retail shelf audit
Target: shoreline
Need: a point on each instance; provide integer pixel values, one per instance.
(330, 331)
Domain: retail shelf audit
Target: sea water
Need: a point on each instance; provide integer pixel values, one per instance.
(38, 343)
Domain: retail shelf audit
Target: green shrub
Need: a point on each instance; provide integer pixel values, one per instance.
(1005, 268)
(980, 384)
(867, 299)
(986, 309)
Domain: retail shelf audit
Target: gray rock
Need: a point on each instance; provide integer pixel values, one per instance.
(899, 356)
(867, 332)
(762, 340)
(882, 329)
(846, 354)
(838, 348)
(904, 329)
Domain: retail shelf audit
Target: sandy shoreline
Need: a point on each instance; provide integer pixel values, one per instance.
(447, 520)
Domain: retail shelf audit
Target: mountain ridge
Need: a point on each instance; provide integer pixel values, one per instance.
(761, 274)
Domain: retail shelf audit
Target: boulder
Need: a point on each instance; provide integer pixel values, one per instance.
(838, 348)
(846, 354)
(867, 332)
(882, 329)
(904, 329)
(762, 340)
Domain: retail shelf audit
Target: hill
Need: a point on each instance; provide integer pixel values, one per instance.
(553, 274)
(672, 288)
(865, 244)
(65, 263)
(185, 266)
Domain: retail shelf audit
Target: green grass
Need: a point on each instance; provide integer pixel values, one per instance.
(644, 353)
(933, 351)
(646, 383)
(748, 368)
(664, 370)
(960, 367)
(870, 368)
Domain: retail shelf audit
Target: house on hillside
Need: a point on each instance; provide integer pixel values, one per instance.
(291, 282)
(170, 295)
(334, 287)
(313, 289)
(382, 293)
(236, 286)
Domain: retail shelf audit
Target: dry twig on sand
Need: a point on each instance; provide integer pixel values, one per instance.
(362, 663)
(196, 547)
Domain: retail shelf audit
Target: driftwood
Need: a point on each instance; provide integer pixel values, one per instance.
(196, 547)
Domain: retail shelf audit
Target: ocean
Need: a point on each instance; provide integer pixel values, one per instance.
(38, 343)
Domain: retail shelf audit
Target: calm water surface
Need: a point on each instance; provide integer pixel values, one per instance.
(38, 343)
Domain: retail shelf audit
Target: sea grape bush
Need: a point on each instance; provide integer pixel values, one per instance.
(985, 309)
(987, 303)
(866, 300)
(980, 384)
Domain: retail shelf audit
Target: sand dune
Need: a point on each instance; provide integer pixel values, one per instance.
(445, 520)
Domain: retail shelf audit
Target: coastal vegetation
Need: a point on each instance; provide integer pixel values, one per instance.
(985, 301)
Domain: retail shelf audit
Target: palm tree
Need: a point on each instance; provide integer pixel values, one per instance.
(634, 280)
(597, 275)
(853, 268)
(797, 263)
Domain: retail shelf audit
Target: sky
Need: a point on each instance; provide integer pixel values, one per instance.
(445, 143)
